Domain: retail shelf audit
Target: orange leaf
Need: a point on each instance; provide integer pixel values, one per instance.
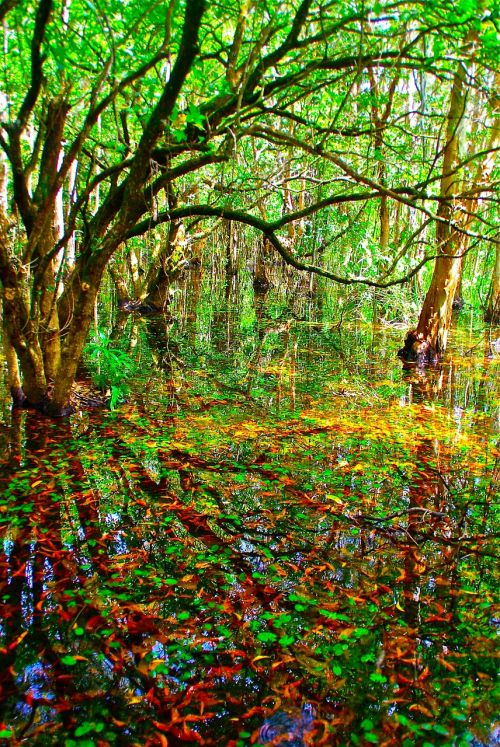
(421, 709)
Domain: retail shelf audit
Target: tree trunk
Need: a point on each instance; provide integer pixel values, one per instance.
(13, 372)
(428, 341)
(492, 313)
(117, 273)
(172, 261)
(261, 281)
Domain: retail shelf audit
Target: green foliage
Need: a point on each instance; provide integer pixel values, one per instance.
(111, 368)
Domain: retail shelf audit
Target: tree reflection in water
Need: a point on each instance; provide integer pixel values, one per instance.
(257, 528)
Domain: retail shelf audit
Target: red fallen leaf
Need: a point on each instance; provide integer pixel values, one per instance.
(63, 705)
(195, 717)
(446, 664)
(424, 674)
(160, 726)
(31, 700)
(187, 735)
(404, 680)
(66, 615)
(20, 571)
(94, 622)
(18, 640)
(120, 724)
(157, 739)
(439, 618)
(256, 710)
(150, 695)
(144, 625)
(385, 589)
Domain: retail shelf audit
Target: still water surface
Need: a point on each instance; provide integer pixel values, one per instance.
(278, 518)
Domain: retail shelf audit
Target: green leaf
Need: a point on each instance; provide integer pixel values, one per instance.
(377, 677)
(68, 660)
(80, 731)
(439, 729)
(194, 116)
(266, 636)
(179, 135)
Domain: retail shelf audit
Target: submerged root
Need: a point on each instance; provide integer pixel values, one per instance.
(418, 350)
(140, 307)
(85, 396)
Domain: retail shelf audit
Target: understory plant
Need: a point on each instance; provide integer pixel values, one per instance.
(109, 368)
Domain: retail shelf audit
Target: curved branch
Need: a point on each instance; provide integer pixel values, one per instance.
(266, 229)
(41, 20)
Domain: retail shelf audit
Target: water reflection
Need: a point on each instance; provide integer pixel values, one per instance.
(278, 516)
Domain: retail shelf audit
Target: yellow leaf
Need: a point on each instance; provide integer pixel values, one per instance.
(335, 498)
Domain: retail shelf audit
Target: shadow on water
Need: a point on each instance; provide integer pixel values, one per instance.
(281, 536)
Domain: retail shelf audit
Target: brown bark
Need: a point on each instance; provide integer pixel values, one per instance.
(117, 273)
(429, 340)
(172, 262)
(379, 120)
(13, 372)
(435, 317)
(74, 341)
(261, 280)
(21, 334)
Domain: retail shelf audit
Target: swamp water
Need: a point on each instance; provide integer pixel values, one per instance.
(278, 518)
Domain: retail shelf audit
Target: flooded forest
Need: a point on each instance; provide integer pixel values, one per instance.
(249, 349)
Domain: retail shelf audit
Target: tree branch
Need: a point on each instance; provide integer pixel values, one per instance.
(41, 20)
(266, 228)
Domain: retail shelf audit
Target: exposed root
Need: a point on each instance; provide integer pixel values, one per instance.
(417, 350)
(83, 396)
(139, 307)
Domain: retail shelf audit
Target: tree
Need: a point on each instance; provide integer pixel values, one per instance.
(429, 340)
(131, 116)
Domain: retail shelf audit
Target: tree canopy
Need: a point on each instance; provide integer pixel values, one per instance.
(308, 121)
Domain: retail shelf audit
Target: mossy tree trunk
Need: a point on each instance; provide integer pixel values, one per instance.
(171, 262)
